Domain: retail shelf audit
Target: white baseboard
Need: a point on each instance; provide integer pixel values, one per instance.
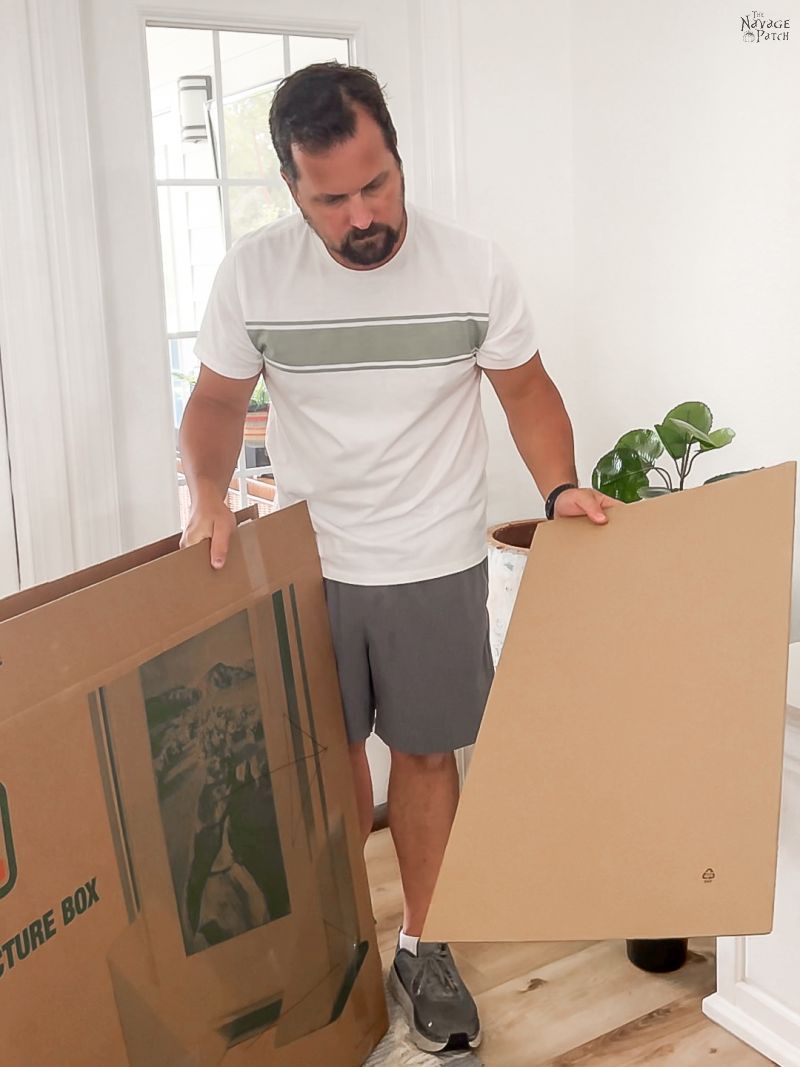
(783, 1051)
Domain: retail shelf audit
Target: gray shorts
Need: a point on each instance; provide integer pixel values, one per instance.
(414, 660)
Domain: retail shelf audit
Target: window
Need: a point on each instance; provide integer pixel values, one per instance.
(217, 177)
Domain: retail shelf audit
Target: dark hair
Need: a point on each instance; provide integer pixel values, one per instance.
(313, 108)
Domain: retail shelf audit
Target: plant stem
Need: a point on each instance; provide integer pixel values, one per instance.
(685, 464)
(694, 457)
(665, 475)
(678, 470)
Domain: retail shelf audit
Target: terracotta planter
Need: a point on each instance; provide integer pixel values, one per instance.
(255, 426)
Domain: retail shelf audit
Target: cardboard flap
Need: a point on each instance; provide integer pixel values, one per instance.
(626, 780)
(37, 596)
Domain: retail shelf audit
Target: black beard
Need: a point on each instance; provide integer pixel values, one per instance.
(356, 251)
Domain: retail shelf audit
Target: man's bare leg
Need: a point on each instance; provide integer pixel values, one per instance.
(423, 796)
(363, 783)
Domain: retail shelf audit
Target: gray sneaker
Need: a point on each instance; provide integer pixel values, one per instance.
(440, 1010)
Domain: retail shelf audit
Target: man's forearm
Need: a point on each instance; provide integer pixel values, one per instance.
(542, 432)
(210, 442)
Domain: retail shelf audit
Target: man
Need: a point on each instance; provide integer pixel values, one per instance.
(372, 323)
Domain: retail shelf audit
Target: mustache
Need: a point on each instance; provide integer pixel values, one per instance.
(375, 229)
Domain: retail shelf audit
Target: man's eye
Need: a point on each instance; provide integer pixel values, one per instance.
(334, 200)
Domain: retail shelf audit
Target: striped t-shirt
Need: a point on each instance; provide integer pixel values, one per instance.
(374, 381)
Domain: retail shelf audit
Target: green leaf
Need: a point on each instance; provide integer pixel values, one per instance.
(653, 491)
(606, 469)
(676, 439)
(731, 474)
(622, 461)
(626, 488)
(719, 438)
(645, 443)
(693, 433)
(620, 474)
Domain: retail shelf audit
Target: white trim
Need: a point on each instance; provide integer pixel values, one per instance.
(50, 306)
(121, 140)
(210, 183)
(778, 1041)
(221, 141)
(747, 1010)
(176, 16)
(9, 558)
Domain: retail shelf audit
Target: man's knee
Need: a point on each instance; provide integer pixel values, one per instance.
(435, 763)
(358, 753)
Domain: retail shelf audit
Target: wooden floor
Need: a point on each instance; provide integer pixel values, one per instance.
(575, 1004)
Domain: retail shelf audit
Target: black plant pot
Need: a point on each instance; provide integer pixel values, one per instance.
(658, 956)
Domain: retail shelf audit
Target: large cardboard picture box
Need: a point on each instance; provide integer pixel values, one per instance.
(181, 877)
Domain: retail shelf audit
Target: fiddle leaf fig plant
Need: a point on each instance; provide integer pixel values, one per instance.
(684, 434)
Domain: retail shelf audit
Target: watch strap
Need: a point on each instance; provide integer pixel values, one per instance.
(550, 503)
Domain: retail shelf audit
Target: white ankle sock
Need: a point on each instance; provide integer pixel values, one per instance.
(410, 944)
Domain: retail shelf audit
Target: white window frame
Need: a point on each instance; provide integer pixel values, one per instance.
(224, 182)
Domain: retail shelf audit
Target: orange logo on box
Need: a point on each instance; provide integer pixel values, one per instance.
(8, 860)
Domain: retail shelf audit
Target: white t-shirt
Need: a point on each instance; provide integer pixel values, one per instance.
(374, 381)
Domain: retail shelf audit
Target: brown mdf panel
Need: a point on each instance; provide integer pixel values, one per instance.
(626, 780)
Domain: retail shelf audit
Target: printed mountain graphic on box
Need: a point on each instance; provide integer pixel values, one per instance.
(222, 676)
(223, 693)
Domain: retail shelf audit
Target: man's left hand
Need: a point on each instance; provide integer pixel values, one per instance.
(574, 502)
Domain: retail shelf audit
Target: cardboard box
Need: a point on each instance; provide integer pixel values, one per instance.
(181, 874)
(626, 781)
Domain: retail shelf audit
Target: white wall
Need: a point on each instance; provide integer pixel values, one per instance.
(517, 166)
(640, 164)
(687, 224)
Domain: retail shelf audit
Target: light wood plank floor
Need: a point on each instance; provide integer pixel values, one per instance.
(575, 1004)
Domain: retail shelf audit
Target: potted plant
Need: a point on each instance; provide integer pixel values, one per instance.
(624, 473)
(684, 434)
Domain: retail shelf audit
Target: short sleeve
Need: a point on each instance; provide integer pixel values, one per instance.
(223, 344)
(510, 338)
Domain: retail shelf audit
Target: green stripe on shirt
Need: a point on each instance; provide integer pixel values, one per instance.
(404, 343)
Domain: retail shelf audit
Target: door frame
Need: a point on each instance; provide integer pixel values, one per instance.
(9, 555)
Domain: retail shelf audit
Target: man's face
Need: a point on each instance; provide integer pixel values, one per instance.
(352, 196)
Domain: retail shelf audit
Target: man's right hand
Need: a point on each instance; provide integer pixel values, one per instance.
(214, 521)
(210, 440)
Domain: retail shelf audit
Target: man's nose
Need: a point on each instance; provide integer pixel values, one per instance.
(360, 214)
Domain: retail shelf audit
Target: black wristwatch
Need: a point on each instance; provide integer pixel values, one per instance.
(550, 503)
